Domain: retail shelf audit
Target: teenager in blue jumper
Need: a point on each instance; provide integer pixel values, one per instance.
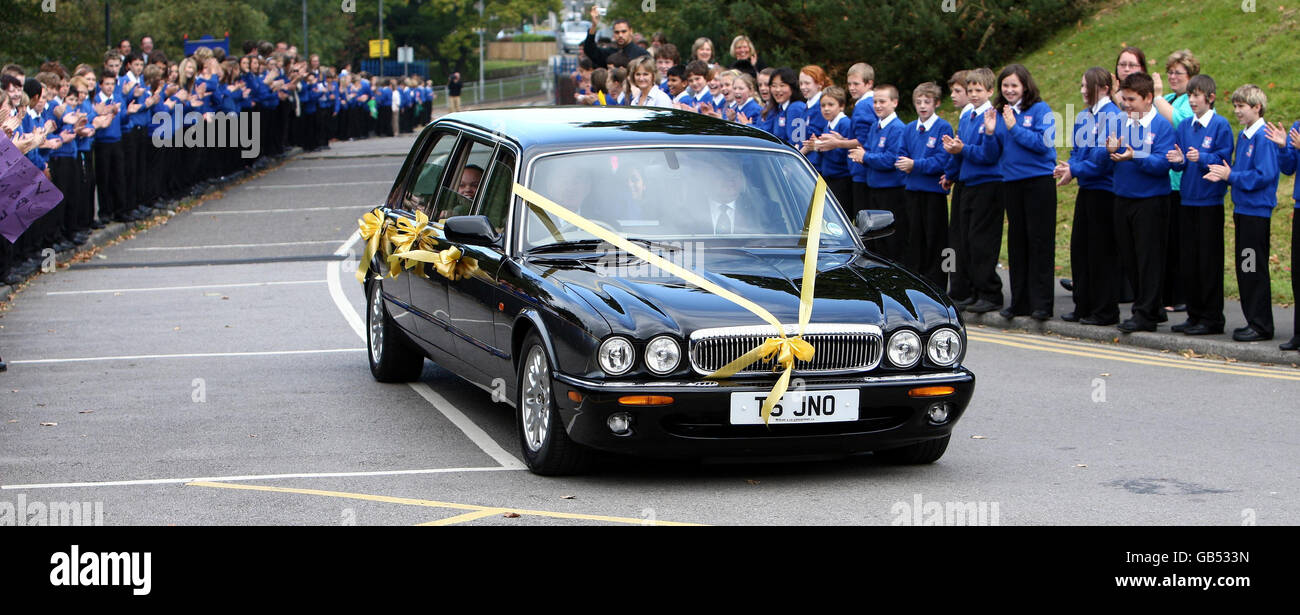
(832, 163)
(1204, 138)
(959, 286)
(1253, 177)
(1092, 235)
(1288, 160)
(981, 205)
(924, 161)
(880, 153)
(1141, 182)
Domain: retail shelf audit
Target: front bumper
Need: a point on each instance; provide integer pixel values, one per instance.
(698, 422)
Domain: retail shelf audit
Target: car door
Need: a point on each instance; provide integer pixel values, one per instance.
(429, 176)
(397, 290)
(482, 341)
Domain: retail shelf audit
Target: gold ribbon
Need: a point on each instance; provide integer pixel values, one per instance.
(784, 348)
(372, 232)
(451, 263)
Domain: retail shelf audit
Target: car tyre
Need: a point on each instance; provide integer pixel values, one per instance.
(546, 446)
(914, 454)
(392, 357)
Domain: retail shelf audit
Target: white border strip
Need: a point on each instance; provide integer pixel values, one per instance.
(247, 477)
(197, 287)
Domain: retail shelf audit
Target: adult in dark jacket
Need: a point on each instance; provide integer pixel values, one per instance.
(622, 40)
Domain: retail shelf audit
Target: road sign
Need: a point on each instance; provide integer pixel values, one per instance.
(405, 54)
(378, 51)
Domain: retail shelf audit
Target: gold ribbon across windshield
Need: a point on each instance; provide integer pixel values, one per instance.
(784, 348)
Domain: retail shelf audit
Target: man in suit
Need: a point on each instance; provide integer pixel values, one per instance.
(732, 207)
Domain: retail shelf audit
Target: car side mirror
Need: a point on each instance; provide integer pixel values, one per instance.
(471, 230)
(875, 223)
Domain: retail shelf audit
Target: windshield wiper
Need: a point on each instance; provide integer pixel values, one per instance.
(579, 244)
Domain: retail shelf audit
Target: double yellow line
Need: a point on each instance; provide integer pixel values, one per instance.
(1083, 349)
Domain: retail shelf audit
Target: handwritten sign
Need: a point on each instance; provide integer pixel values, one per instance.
(25, 193)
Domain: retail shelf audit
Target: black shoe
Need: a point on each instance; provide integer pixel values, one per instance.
(63, 246)
(1181, 307)
(1250, 335)
(1161, 316)
(1069, 316)
(98, 224)
(1097, 322)
(1241, 329)
(962, 304)
(81, 238)
(1183, 326)
(982, 306)
(1041, 315)
(1067, 284)
(1131, 325)
(1293, 344)
(1202, 329)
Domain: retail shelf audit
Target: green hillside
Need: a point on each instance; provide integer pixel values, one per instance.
(1233, 45)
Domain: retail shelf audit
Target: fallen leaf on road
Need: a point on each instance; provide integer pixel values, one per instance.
(176, 328)
(252, 435)
(49, 330)
(751, 481)
(978, 438)
(566, 497)
(101, 257)
(86, 412)
(1080, 465)
(224, 298)
(511, 515)
(117, 294)
(13, 420)
(50, 424)
(1105, 374)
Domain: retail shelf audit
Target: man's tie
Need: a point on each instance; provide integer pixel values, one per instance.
(725, 224)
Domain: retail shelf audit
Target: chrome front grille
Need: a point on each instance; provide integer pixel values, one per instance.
(838, 348)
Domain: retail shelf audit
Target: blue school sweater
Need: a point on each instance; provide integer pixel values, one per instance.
(979, 157)
(816, 122)
(1214, 142)
(69, 147)
(85, 143)
(884, 146)
(834, 164)
(953, 168)
(113, 132)
(864, 117)
(786, 128)
(1288, 160)
(927, 154)
(1254, 174)
(1090, 163)
(1147, 174)
(1027, 148)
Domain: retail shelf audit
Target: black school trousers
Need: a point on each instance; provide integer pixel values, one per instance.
(1174, 292)
(1031, 242)
(1252, 245)
(981, 230)
(927, 237)
(110, 175)
(1201, 253)
(861, 199)
(1093, 258)
(1140, 236)
(959, 286)
(893, 200)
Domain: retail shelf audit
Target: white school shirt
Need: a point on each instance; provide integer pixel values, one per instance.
(885, 122)
(1204, 119)
(928, 124)
(1250, 132)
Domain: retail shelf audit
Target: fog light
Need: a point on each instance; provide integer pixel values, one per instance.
(620, 423)
(938, 413)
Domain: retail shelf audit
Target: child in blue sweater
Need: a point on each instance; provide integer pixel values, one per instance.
(880, 153)
(1203, 139)
(1288, 160)
(1253, 177)
(923, 161)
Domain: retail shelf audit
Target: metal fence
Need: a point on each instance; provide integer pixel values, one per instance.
(496, 90)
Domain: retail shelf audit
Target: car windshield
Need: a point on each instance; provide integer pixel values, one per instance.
(724, 197)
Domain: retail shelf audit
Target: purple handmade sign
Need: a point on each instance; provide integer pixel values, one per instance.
(25, 193)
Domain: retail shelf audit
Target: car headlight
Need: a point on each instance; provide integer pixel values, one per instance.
(904, 348)
(662, 355)
(944, 347)
(616, 355)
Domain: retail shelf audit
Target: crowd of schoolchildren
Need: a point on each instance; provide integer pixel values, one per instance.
(141, 130)
(1152, 158)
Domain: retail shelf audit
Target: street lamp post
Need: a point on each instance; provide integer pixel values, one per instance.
(305, 51)
(479, 5)
(381, 38)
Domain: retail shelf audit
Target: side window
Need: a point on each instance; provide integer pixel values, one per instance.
(458, 194)
(427, 181)
(499, 193)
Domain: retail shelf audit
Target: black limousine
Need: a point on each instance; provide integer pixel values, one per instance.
(599, 349)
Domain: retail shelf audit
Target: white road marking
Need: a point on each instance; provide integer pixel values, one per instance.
(277, 211)
(295, 186)
(191, 355)
(161, 288)
(453, 414)
(234, 245)
(249, 477)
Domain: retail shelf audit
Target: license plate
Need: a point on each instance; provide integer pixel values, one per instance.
(796, 407)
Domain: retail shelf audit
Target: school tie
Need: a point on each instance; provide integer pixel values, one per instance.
(725, 224)
(921, 128)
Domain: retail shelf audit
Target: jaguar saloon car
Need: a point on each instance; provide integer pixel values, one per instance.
(599, 346)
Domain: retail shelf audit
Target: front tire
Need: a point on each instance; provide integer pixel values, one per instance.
(915, 454)
(392, 358)
(545, 444)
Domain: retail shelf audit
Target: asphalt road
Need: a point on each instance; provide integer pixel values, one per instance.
(178, 391)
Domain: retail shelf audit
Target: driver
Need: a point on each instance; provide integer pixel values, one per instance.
(731, 206)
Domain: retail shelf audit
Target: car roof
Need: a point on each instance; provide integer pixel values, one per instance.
(546, 129)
